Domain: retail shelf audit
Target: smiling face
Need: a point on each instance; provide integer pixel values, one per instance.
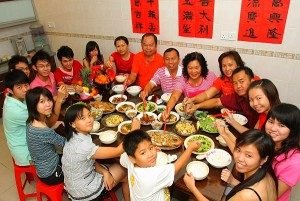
(43, 68)
(67, 63)
(149, 46)
(259, 101)
(44, 106)
(145, 154)
(241, 82)
(278, 131)
(84, 122)
(171, 60)
(122, 47)
(194, 69)
(93, 53)
(228, 65)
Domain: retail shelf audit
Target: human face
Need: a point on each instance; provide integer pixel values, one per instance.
(259, 101)
(23, 67)
(67, 63)
(149, 46)
(145, 154)
(228, 65)
(84, 123)
(122, 47)
(19, 91)
(43, 68)
(44, 106)
(171, 60)
(241, 83)
(93, 53)
(247, 159)
(194, 69)
(278, 131)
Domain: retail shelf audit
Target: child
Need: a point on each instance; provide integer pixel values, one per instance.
(86, 179)
(41, 139)
(147, 181)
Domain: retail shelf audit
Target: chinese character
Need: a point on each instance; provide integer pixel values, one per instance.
(250, 33)
(274, 16)
(272, 33)
(277, 3)
(186, 28)
(150, 2)
(188, 15)
(137, 3)
(151, 27)
(138, 14)
(252, 16)
(139, 26)
(203, 14)
(203, 29)
(187, 2)
(151, 14)
(204, 2)
(253, 3)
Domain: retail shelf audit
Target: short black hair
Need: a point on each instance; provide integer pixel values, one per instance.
(123, 38)
(15, 77)
(133, 139)
(65, 51)
(15, 60)
(148, 35)
(41, 55)
(192, 57)
(170, 50)
(247, 71)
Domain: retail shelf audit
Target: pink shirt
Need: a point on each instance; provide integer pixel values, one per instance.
(37, 82)
(287, 171)
(163, 78)
(191, 91)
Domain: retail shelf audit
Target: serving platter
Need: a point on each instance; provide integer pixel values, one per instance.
(112, 120)
(165, 141)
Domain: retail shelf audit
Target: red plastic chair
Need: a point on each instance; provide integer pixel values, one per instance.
(111, 196)
(30, 175)
(53, 192)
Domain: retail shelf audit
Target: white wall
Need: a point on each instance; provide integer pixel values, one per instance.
(78, 21)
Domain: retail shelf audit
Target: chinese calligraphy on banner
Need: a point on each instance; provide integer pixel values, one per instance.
(263, 20)
(196, 18)
(145, 16)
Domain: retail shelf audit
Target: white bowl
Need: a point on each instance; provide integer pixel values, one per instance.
(120, 78)
(241, 119)
(108, 137)
(166, 97)
(156, 125)
(161, 158)
(119, 88)
(179, 108)
(96, 126)
(161, 108)
(134, 90)
(218, 158)
(199, 169)
(221, 141)
(124, 106)
(159, 118)
(114, 97)
(140, 116)
(129, 112)
(120, 126)
(96, 113)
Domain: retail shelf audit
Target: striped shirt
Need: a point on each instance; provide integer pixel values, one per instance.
(41, 145)
(191, 91)
(163, 78)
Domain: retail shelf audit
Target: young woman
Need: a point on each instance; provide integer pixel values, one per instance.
(196, 79)
(253, 155)
(86, 179)
(41, 139)
(263, 96)
(121, 59)
(93, 56)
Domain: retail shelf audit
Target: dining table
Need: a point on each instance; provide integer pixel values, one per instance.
(211, 187)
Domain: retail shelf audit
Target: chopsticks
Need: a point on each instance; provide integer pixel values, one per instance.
(165, 127)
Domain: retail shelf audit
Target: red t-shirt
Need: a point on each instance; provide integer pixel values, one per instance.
(68, 77)
(123, 66)
(262, 118)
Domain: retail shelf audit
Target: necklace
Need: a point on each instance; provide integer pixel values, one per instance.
(196, 83)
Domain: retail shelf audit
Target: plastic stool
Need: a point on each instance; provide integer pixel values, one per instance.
(18, 171)
(111, 196)
(53, 192)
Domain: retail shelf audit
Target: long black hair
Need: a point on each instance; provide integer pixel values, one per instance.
(90, 46)
(265, 147)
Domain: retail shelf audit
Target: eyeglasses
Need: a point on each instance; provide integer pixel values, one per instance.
(44, 66)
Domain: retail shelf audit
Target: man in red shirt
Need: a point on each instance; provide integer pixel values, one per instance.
(145, 63)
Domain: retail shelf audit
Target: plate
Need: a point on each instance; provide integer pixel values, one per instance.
(179, 109)
(116, 99)
(112, 120)
(207, 124)
(125, 127)
(124, 106)
(207, 143)
(173, 118)
(218, 158)
(151, 107)
(96, 126)
(165, 141)
(185, 128)
(106, 107)
(241, 119)
(199, 169)
(146, 118)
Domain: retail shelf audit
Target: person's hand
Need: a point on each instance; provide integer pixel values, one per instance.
(187, 100)
(109, 181)
(94, 60)
(190, 108)
(62, 93)
(136, 124)
(189, 180)
(194, 145)
(165, 114)
(109, 64)
(227, 115)
(222, 127)
(78, 89)
(143, 95)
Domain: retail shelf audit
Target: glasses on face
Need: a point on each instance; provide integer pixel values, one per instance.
(44, 66)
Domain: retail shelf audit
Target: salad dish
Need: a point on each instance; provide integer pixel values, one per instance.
(150, 107)
(207, 143)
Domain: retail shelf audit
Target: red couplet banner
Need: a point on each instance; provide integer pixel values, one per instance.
(263, 20)
(145, 16)
(196, 18)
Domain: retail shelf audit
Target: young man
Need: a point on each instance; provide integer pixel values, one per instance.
(145, 63)
(167, 76)
(146, 180)
(15, 115)
(69, 71)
